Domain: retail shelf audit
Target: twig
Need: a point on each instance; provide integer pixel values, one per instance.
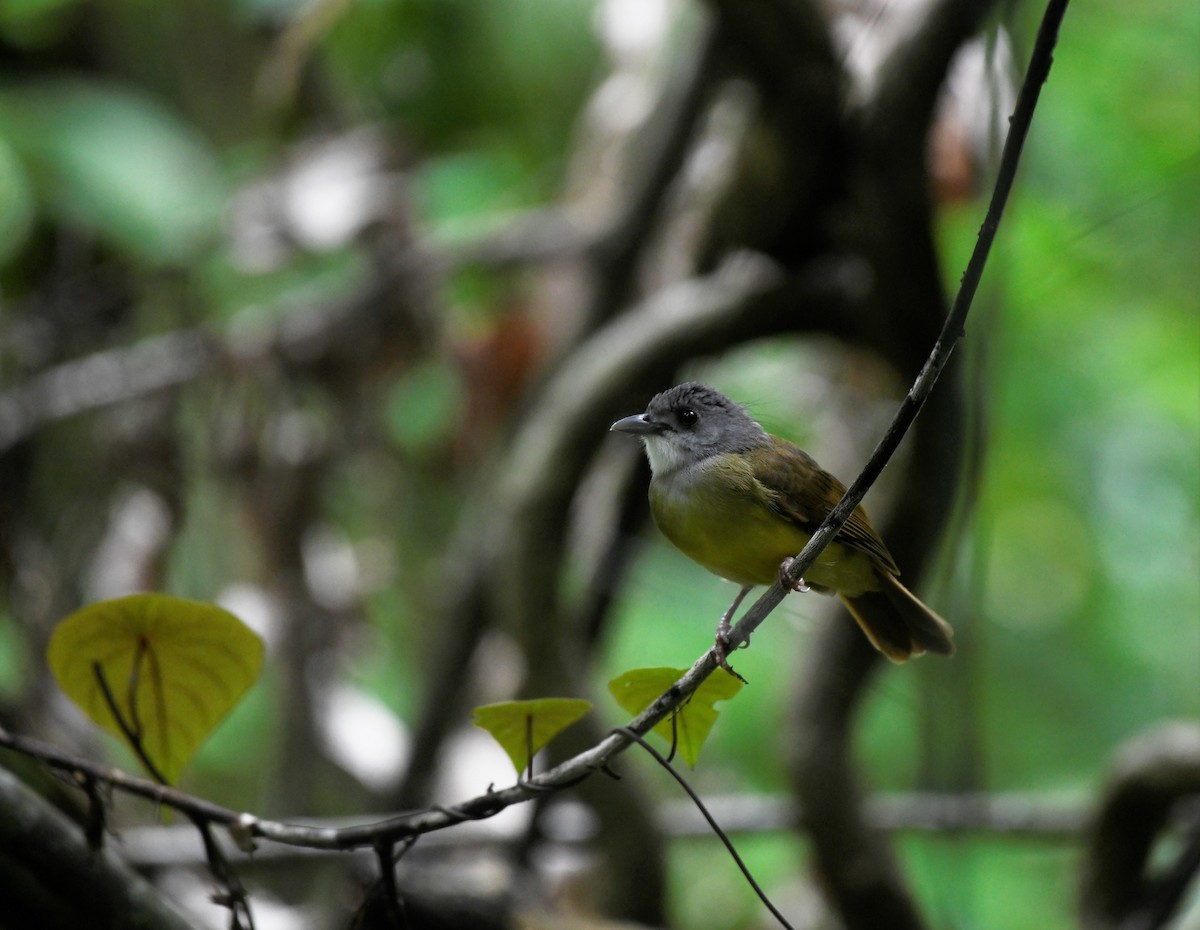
(131, 730)
(157, 792)
(716, 828)
(1154, 775)
(97, 814)
(1025, 817)
(864, 880)
(385, 856)
(234, 897)
(397, 827)
(1008, 814)
(952, 330)
(82, 881)
(101, 379)
(517, 518)
(598, 757)
(158, 363)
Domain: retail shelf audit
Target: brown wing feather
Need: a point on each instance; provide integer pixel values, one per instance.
(804, 493)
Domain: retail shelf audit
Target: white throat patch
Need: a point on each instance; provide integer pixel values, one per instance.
(666, 454)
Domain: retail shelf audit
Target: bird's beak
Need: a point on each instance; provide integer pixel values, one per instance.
(639, 424)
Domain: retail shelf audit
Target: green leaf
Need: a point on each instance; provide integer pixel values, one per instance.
(175, 668)
(522, 728)
(638, 688)
(116, 162)
(425, 407)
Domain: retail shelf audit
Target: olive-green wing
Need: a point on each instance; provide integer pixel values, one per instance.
(804, 493)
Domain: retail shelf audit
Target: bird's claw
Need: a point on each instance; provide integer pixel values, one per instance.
(722, 647)
(799, 584)
(721, 650)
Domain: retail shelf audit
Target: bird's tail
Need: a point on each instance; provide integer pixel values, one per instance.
(897, 623)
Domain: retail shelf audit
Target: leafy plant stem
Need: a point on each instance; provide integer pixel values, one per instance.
(131, 731)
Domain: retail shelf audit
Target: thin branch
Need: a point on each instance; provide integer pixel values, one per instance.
(131, 730)
(1010, 814)
(99, 380)
(82, 881)
(540, 235)
(517, 515)
(199, 812)
(863, 876)
(714, 826)
(598, 757)
(234, 897)
(1153, 774)
(72, 764)
(952, 330)
(385, 855)
(398, 827)
(96, 823)
(1030, 817)
(303, 335)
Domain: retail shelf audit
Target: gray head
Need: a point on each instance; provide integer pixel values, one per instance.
(689, 423)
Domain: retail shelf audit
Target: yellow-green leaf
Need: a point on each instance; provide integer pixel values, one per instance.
(638, 688)
(522, 728)
(174, 668)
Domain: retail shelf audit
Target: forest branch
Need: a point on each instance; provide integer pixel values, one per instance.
(412, 824)
(304, 336)
(1010, 814)
(600, 756)
(1153, 776)
(74, 881)
(1032, 816)
(952, 331)
(393, 829)
(911, 75)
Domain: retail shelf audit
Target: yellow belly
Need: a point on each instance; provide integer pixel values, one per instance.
(721, 519)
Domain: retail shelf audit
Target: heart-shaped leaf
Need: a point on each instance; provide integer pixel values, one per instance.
(522, 728)
(173, 668)
(638, 688)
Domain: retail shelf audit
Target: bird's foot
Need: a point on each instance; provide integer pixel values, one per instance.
(784, 579)
(722, 646)
(721, 652)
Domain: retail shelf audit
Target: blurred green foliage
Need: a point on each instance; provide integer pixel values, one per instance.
(1087, 527)
(1083, 548)
(109, 160)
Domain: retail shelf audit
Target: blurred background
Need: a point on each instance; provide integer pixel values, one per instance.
(322, 311)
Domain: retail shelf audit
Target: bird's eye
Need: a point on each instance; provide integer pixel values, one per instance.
(688, 417)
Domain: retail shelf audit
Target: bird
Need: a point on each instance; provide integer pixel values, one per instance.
(742, 502)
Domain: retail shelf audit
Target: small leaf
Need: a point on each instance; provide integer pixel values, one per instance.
(522, 728)
(638, 688)
(175, 669)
